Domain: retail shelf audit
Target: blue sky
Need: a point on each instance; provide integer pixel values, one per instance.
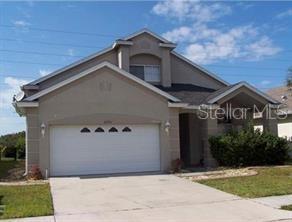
(238, 41)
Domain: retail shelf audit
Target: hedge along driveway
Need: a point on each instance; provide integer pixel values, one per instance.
(271, 181)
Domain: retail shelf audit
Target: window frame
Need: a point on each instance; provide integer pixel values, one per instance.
(145, 65)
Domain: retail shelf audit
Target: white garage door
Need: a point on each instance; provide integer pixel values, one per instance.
(83, 150)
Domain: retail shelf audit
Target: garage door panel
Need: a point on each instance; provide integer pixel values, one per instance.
(73, 152)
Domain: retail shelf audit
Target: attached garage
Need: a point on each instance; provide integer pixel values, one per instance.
(104, 149)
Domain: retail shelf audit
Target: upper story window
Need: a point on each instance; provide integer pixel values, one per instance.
(150, 73)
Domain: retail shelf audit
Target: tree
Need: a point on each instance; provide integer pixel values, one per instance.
(14, 144)
(20, 146)
(2, 150)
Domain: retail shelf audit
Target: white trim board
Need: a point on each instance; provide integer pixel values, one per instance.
(97, 67)
(145, 30)
(241, 84)
(108, 49)
(26, 104)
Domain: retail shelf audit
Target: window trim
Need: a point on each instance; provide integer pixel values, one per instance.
(146, 65)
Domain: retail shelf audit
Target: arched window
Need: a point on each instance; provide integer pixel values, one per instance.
(113, 130)
(99, 130)
(85, 130)
(127, 129)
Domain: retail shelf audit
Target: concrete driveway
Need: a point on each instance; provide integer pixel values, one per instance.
(151, 198)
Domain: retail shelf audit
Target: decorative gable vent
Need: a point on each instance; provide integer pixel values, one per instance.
(85, 130)
(113, 130)
(99, 130)
(127, 129)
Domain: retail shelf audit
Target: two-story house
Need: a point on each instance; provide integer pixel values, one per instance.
(132, 107)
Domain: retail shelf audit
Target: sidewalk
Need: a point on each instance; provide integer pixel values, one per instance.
(32, 219)
(274, 201)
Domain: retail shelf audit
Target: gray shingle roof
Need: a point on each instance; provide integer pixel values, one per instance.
(188, 93)
(219, 91)
(277, 94)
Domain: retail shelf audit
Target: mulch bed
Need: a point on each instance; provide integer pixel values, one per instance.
(16, 177)
(15, 174)
(219, 174)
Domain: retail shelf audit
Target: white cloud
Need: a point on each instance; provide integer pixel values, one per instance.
(179, 34)
(205, 42)
(284, 14)
(261, 48)
(21, 23)
(71, 52)
(265, 82)
(197, 11)
(245, 5)
(209, 45)
(44, 72)
(11, 89)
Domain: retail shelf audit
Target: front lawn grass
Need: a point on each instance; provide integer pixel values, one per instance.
(26, 201)
(268, 182)
(287, 207)
(6, 165)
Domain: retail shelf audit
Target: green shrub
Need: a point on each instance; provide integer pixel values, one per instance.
(249, 147)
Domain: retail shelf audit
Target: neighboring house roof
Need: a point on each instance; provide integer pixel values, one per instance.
(188, 93)
(95, 68)
(221, 93)
(278, 93)
(110, 48)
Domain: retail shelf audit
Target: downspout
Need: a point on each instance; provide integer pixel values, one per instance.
(26, 153)
(21, 113)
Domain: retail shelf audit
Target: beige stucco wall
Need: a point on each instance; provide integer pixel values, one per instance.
(142, 59)
(284, 126)
(182, 72)
(110, 56)
(147, 44)
(101, 97)
(32, 137)
(173, 69)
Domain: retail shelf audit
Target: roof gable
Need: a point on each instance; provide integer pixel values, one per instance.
(205, 71)
(95, 68)
(221, 93)
(143, 31)
(164, 43)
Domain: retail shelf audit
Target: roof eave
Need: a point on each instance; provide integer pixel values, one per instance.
(243, 84)
(97, 67)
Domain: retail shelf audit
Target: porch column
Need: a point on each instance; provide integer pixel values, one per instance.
(270, 121)
(209, 128)
(249, 119)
